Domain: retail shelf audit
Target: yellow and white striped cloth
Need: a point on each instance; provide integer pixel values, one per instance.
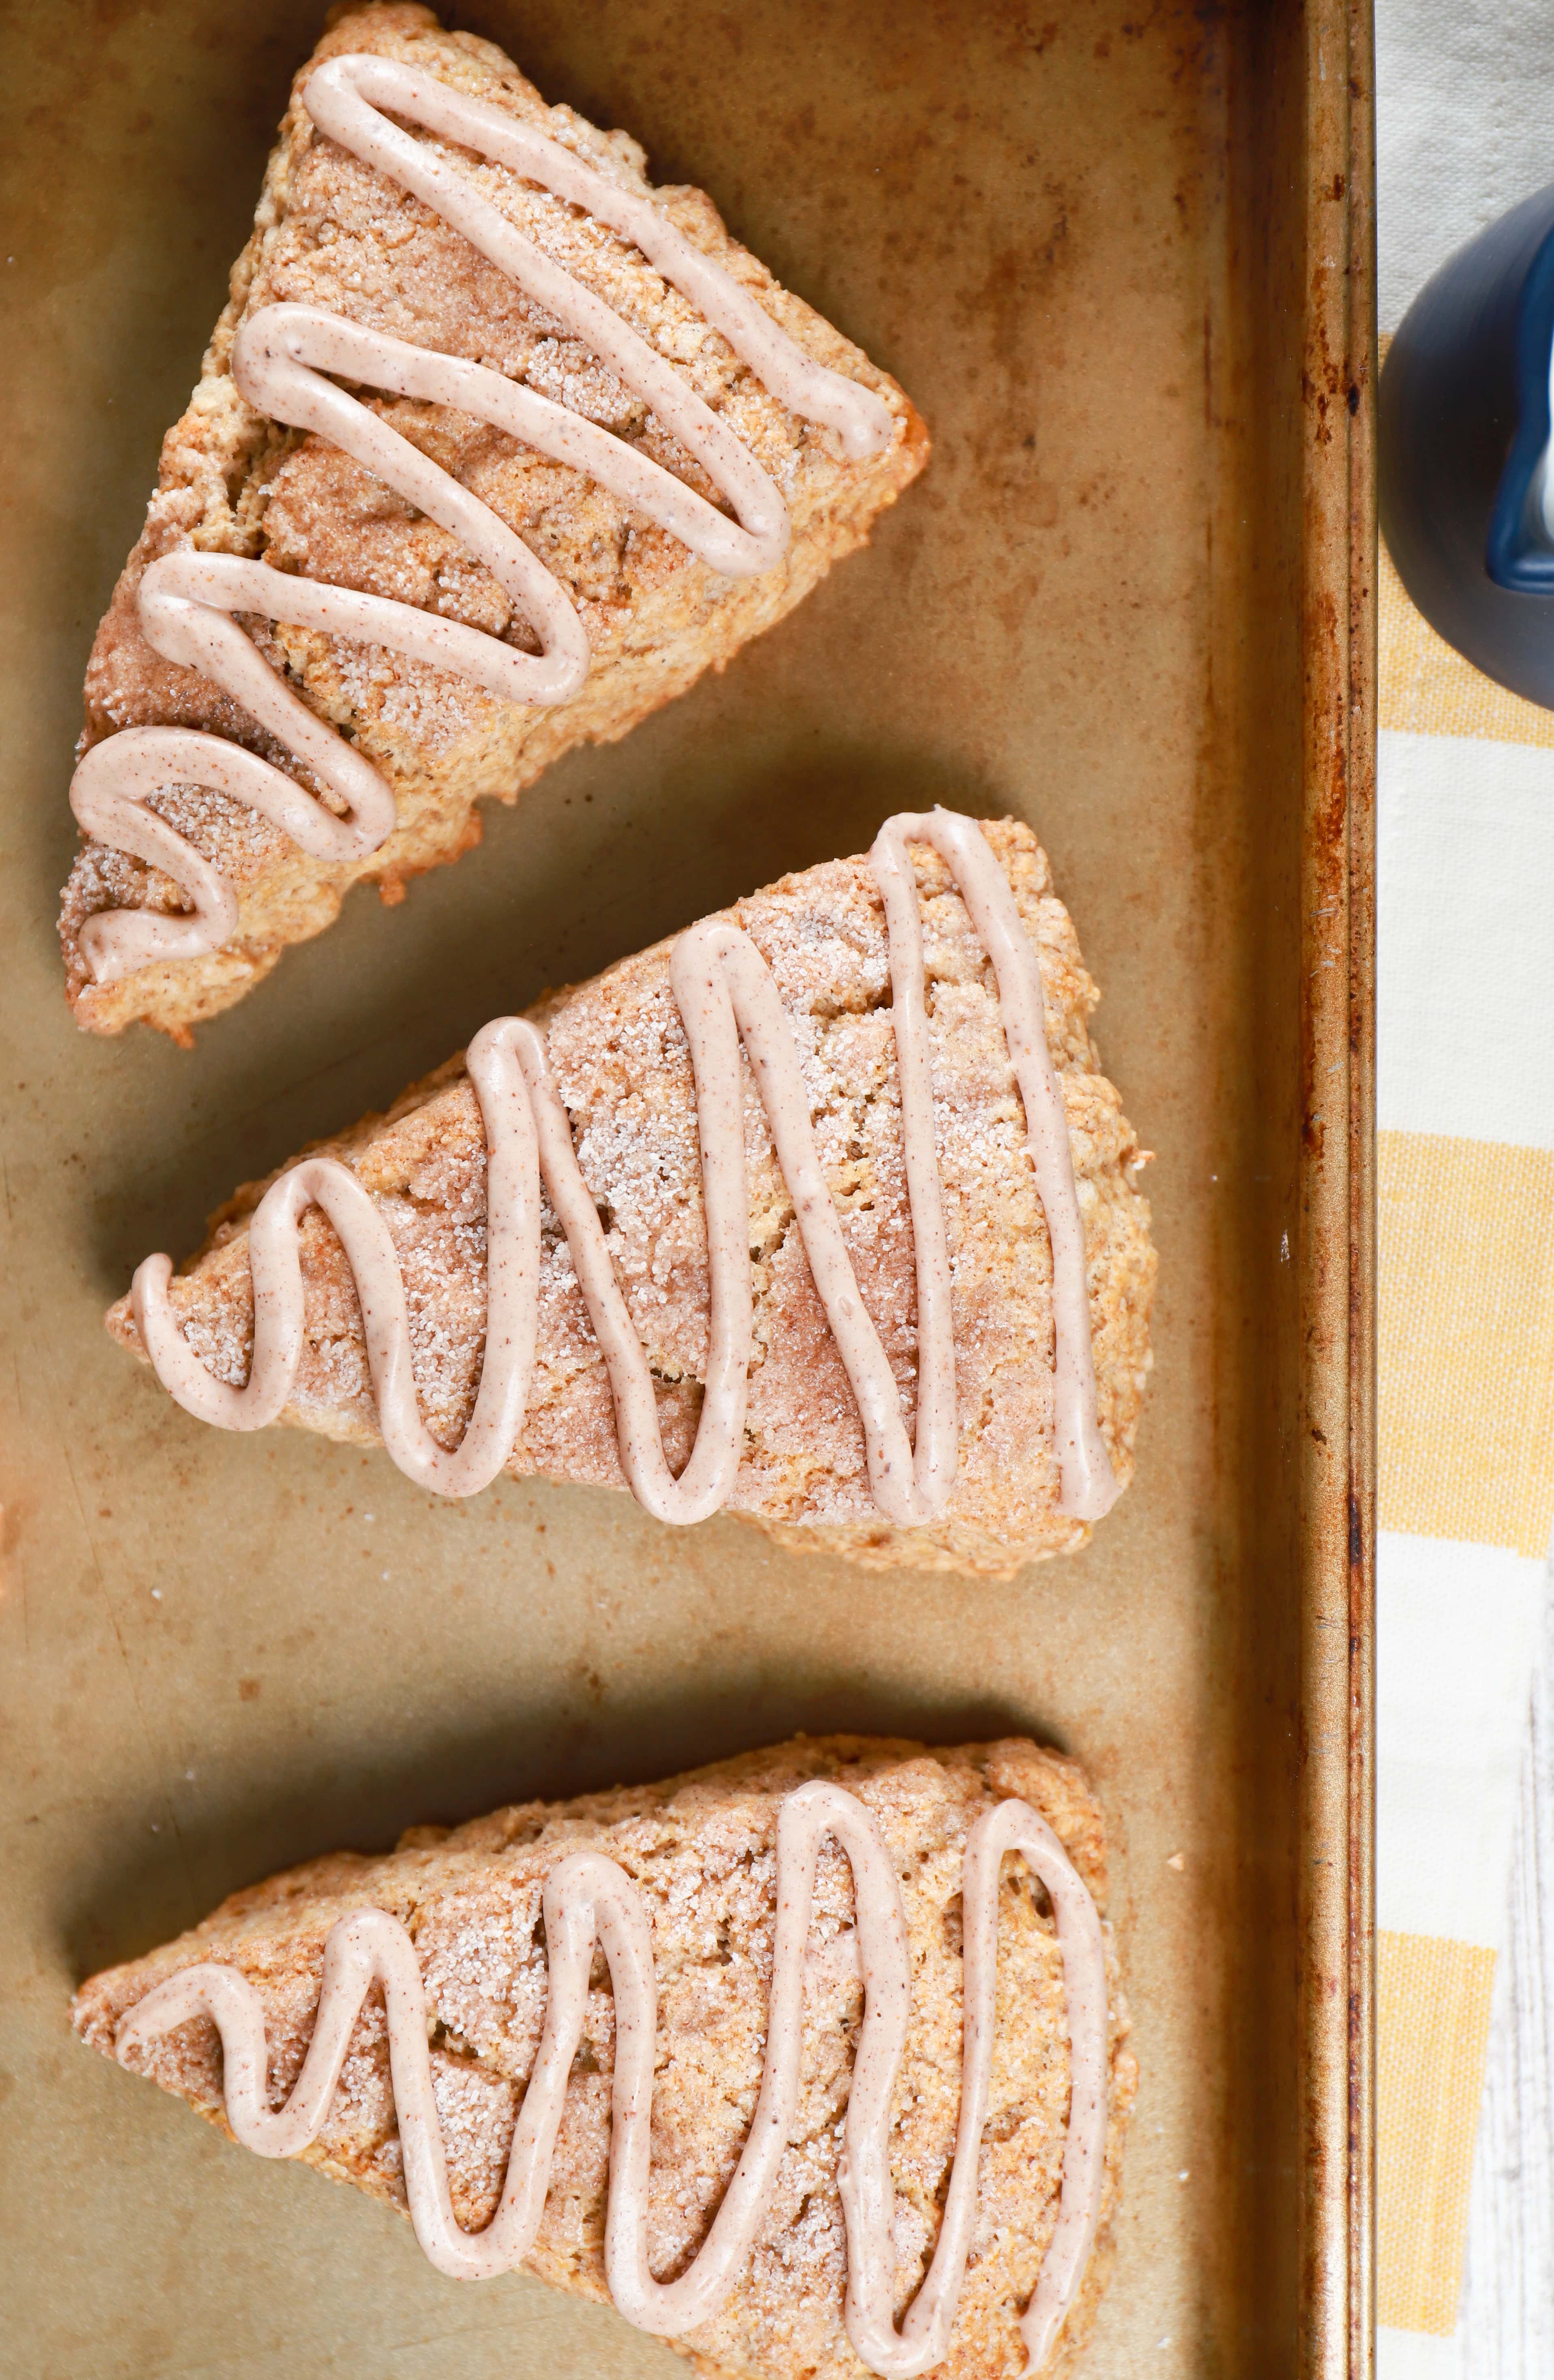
(1465, 1174)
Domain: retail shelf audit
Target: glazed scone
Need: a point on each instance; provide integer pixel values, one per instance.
(335, 234)
(700, 1851)
(618, 1055)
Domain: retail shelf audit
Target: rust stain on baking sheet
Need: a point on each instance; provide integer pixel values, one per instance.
(1338, 1271)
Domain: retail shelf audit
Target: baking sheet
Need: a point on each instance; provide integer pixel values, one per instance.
(1083, 243)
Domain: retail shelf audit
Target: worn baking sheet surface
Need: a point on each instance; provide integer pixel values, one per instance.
(1077, 242)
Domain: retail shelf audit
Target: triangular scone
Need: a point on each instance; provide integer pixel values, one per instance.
(336, 234)
(702, 1852)
(618, 1057)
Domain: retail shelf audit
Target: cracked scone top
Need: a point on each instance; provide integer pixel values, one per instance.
(952, 2031)
(947, 1395)
(595, 448)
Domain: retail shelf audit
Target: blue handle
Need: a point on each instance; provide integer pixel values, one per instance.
(1463, 432)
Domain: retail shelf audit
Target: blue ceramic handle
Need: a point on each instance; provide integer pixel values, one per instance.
(1464, 435)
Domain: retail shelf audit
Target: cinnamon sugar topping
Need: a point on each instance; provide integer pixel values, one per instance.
(588, 1898)
(723, 990)
(282, 363)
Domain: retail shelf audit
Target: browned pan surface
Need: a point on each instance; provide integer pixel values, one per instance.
(1077, 235)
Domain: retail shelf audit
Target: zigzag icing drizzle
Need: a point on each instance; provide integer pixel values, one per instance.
(724, 991)
(279, 362)
(587, 1898)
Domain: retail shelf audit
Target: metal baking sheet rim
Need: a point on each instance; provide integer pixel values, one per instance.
(1338, 1195)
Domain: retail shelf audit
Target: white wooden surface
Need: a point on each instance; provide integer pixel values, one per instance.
(1465, 130)
(1506, 2325)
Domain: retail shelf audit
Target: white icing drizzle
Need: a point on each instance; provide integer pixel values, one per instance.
(590, 1898)
(724, 991)
(279, 362)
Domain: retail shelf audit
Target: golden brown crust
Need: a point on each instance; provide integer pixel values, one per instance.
(621, 1061)
(700, 1849)
(332, 233)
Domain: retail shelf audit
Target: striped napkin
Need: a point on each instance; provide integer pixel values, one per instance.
(1465, 1176)
(1464, 119)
